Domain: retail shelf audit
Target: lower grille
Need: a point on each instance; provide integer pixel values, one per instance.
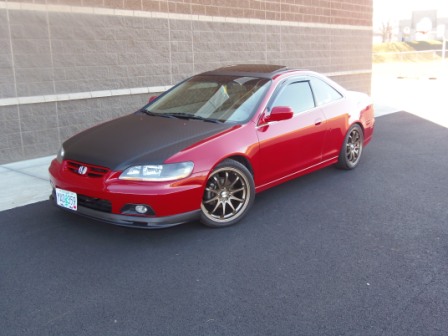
(95, 203)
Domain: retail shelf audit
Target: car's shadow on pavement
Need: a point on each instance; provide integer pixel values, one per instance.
(333, 252)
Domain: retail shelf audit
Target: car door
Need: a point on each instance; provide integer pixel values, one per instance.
(290, 146)
(335, 109)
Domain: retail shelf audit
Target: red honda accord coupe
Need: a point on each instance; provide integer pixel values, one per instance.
(203, 149)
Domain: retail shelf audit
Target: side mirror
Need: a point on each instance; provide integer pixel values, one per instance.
(279, 113)
(152, 98)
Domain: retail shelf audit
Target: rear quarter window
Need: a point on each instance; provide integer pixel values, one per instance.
(323, 92)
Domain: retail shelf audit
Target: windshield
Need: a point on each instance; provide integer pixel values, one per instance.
(214, 98)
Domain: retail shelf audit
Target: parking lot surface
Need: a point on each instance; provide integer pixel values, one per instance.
(362, 252)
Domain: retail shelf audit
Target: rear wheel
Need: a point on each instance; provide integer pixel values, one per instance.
(228, 195)
(352, 148)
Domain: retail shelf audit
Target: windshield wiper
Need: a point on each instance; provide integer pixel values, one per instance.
(156, 114)
(195, 117)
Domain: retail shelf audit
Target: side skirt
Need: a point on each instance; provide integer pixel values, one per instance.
(302, 172)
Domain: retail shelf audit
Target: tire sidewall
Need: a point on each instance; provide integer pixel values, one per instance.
(343, 162)
(241, 169)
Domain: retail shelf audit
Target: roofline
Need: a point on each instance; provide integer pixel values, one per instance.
(268, 75)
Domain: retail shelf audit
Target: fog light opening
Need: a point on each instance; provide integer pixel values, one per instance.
(141, 209)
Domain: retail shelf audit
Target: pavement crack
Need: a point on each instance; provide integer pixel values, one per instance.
(24, 173)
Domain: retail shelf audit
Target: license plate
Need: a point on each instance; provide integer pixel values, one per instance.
(66, 199)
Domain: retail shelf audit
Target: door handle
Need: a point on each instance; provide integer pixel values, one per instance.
(317, 122)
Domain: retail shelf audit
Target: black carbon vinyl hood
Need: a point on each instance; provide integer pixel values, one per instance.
(137, 139)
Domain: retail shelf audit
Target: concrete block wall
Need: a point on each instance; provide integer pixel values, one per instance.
(66, 65)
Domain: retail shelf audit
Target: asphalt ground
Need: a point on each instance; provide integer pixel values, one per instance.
(362, 252)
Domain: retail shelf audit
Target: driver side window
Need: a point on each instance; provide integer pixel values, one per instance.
(296, 95)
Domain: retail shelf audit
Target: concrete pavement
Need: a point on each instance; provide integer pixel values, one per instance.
(24, 182)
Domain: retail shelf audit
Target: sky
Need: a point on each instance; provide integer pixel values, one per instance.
(402, 9)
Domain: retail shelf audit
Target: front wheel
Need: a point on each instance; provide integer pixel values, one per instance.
(228, 195)
(351, 148)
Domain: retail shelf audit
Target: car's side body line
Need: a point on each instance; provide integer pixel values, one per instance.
(292, 176)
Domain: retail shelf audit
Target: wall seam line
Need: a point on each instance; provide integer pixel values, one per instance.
(11, 48)
(124, 92)
(174, 16)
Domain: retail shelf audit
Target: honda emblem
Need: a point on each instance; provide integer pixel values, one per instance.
(82, 170)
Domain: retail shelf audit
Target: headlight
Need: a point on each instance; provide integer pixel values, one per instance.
(60, 155)
(164, 172)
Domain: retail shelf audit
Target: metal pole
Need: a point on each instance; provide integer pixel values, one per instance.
(443, 47)
(443, 54)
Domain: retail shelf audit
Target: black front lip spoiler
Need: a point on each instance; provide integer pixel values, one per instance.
(134, 221)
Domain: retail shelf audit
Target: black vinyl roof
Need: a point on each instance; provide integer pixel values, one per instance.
(250, 70)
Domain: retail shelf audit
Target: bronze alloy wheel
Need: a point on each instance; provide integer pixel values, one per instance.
(352, 148)
(228, 194)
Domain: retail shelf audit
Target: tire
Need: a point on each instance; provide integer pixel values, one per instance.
(229, 194)
(351, 148)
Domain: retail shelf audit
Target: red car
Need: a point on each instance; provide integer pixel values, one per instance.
(203, 149)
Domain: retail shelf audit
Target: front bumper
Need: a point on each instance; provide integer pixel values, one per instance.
(108, 198)
(133, 221)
